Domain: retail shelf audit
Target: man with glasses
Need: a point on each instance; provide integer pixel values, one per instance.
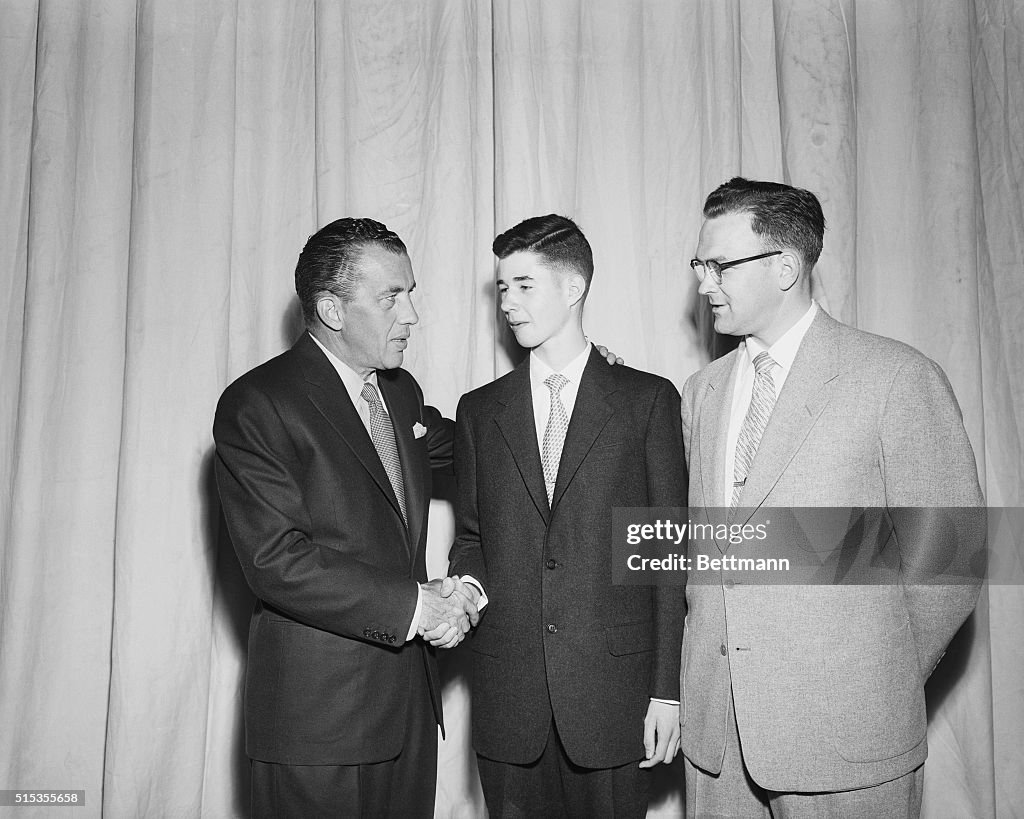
(802, 700)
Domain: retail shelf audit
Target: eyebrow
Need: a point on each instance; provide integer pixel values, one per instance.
(395, 289)
(526, 277)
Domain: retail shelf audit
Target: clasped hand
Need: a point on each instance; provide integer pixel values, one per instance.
(448, 611)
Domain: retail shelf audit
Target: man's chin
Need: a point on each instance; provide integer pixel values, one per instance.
(525, 339)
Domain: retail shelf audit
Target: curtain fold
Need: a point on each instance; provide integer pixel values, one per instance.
(162, 162)
(69, 160)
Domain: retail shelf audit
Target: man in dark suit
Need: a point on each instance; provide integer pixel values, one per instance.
(323, 464)
(808, 700)
(575, 680)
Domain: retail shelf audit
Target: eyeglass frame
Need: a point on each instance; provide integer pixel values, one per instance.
(717, 268)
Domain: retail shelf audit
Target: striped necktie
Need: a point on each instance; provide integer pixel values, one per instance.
(762, 402)
(382, 433)
(554, 433)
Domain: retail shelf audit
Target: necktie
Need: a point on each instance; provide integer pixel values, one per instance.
(382, 433)
(554, 433)
(762, 401)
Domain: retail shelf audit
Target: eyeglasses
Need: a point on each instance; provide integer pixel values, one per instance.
(703, 267)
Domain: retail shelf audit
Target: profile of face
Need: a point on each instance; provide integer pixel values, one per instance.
(535, 298)
(374, 326)
(750, 297)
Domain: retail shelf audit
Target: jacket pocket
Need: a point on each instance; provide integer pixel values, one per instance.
(876, 699)
(487, 640)
(630, 638)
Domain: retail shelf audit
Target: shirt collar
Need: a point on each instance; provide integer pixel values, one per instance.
(784, 351)
(573, 371)
(350, 378)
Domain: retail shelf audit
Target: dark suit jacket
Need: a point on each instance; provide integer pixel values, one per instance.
(320, 538)
(828, 680)
(557, 637)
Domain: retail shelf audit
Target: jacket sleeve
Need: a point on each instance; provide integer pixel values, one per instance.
(935, 503)
(466, 555)
(666, 486)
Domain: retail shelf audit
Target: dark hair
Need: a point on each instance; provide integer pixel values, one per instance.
(782, 215)
(556, 239)
(330, 260)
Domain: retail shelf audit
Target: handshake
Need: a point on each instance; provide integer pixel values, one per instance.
(448, 611)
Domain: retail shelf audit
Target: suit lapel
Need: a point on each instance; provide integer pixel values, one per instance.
(326, 392)
(803, 398)
(516, 422)
(589, 416)
(713, 423)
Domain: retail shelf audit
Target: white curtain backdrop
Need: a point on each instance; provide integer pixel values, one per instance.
(163, 161)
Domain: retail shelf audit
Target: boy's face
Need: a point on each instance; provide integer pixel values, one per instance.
(534, 298)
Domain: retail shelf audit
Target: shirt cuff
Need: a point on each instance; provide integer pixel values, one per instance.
(667, 702)
(468, 578)
(415, 614)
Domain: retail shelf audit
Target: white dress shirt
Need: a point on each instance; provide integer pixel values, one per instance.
(573, 371)
(354, 385)
(782, 352)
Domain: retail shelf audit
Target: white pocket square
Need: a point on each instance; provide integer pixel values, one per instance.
(418, 430)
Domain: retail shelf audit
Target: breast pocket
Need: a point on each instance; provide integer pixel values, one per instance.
(614, 451)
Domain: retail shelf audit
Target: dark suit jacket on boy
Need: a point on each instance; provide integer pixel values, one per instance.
(558, 638)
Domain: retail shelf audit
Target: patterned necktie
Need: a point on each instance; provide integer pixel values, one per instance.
(762, 401)
(382, 433)
(554, 434)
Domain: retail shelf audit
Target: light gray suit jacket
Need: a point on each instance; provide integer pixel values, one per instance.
(828, 680)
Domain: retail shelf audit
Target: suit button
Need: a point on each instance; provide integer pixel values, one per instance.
(376, 635)
(724, 650)
(729, 584)
(552, 628)
(391, 639)
(552, 563)
(384, 636)
(366, 632)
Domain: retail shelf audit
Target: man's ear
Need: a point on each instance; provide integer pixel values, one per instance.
(330, 311)
(576, 286)
(789, 270)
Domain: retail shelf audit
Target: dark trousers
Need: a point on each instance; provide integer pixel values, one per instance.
(399, 787)
(555, 787)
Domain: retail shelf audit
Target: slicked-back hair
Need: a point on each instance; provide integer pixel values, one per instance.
(329, 263)
(556, 239)
(784, 216)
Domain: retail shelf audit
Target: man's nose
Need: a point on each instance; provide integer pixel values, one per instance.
(410, 316)
(707, 285)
